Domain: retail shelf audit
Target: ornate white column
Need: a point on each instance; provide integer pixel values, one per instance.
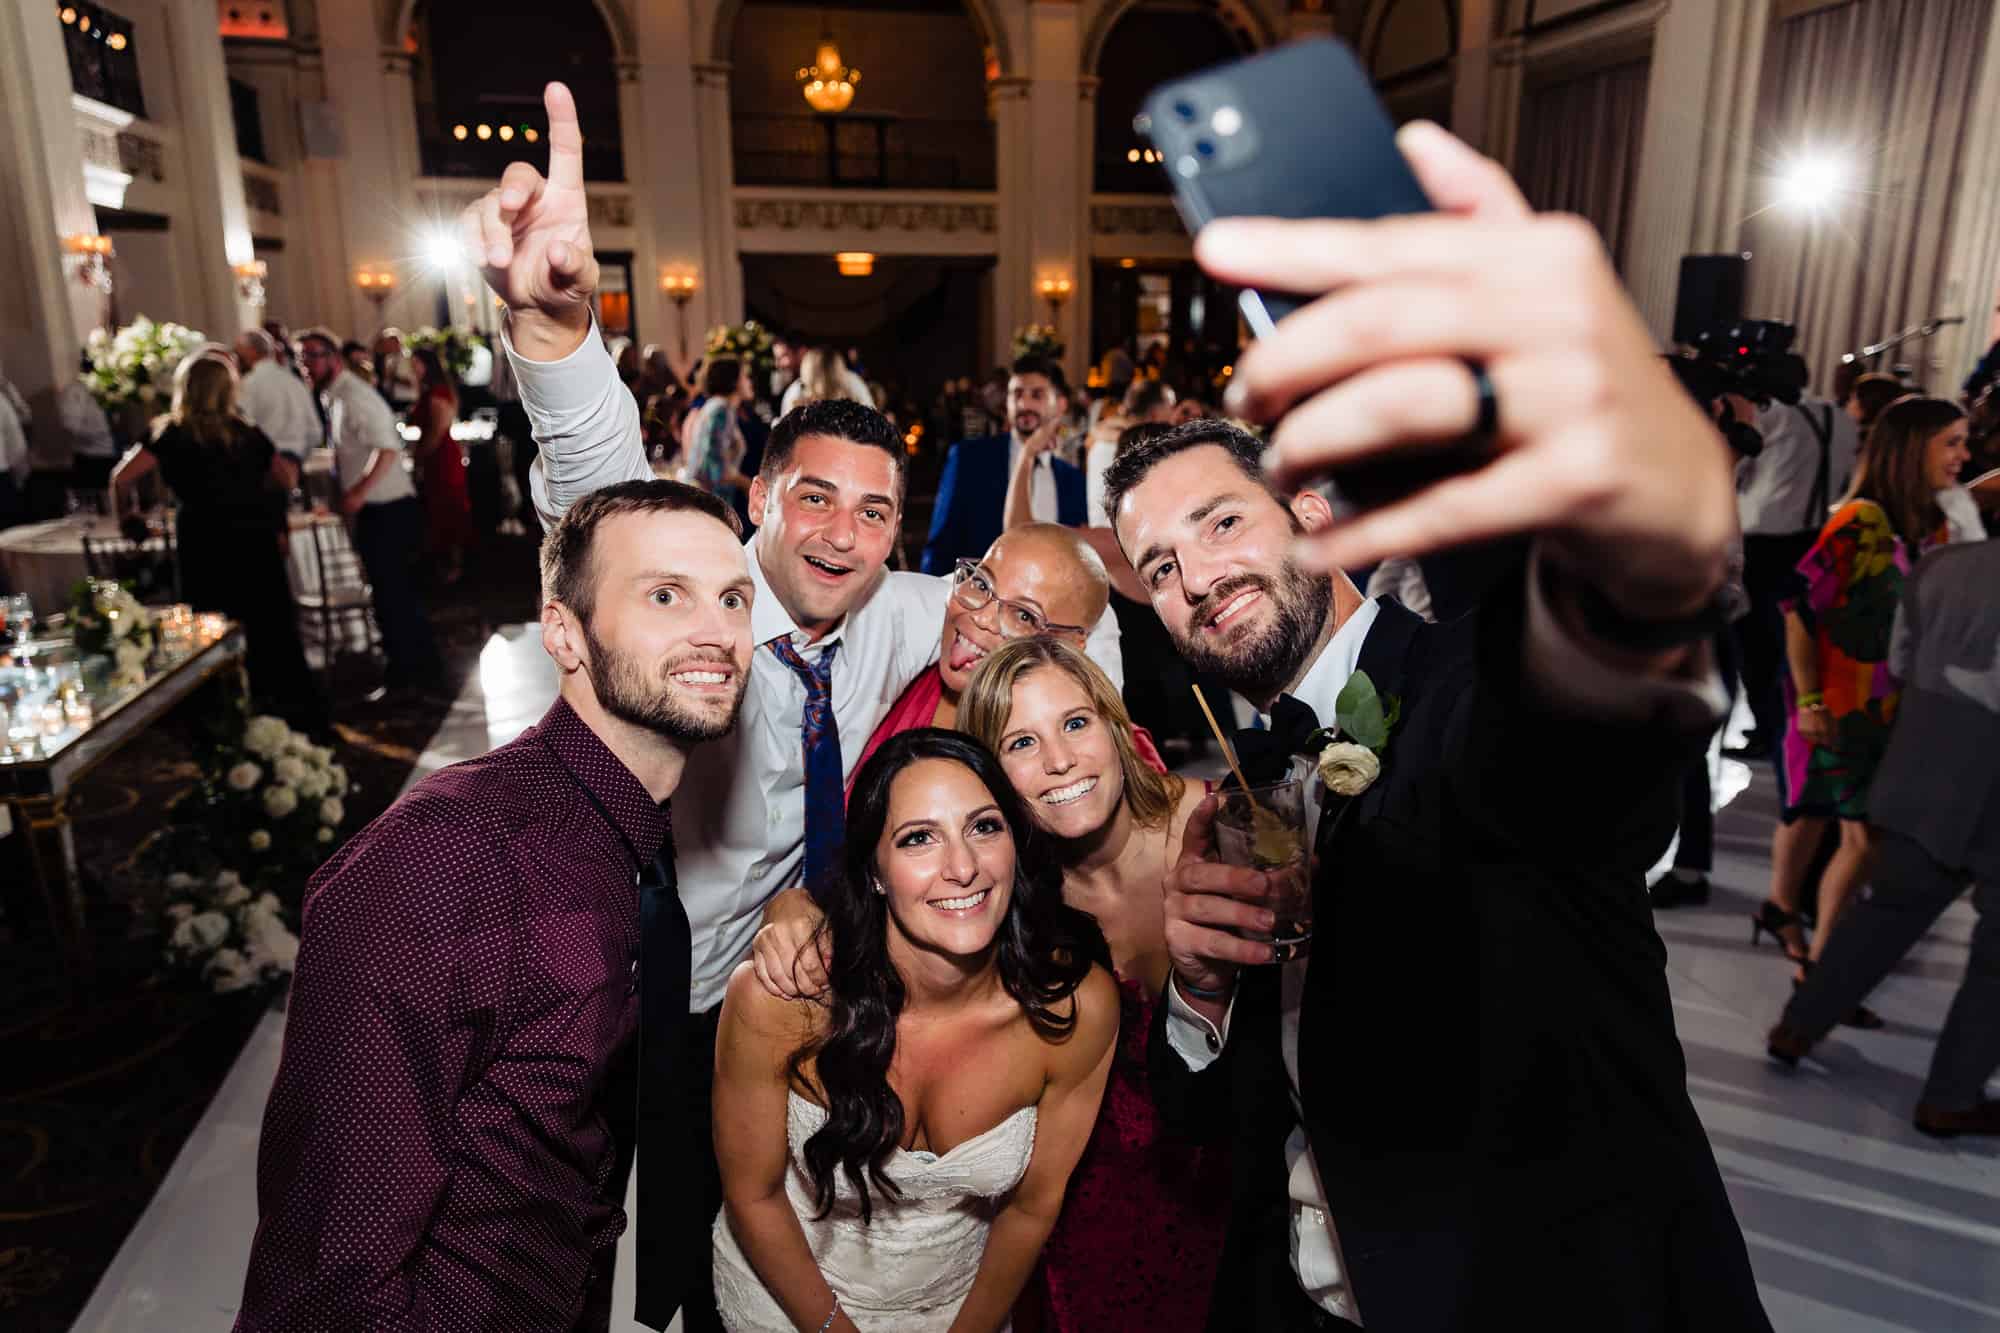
(374, 166)
(1059, 180)
(1013, 269)
(674, 150)
(1701, 110)
(45, 316)
(650, 308)
(214, 173)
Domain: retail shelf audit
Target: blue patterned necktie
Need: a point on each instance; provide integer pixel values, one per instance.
(826, 799)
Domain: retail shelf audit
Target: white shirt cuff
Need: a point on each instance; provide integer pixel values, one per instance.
(1194, 1039)
(585, 420)
(1571, 673)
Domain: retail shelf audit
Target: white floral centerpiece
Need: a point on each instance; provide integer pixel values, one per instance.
(136, 365)
(107, 620)
(219, 931)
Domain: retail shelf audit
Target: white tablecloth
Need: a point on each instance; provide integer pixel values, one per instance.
(44, 560)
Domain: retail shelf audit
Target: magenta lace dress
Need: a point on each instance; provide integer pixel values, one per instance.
(1141, 1230)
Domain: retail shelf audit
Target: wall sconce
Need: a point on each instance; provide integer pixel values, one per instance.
(250, 281)
(679, 285)
(375, 283)
(1055, 291)
(87, 259)
(854, 263)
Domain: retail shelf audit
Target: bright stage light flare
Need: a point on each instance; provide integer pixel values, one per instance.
(442, 251)
(1812, 184)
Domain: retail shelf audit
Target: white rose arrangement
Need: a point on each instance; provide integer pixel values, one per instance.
(217, 932)
(137, 364)
(110, 622)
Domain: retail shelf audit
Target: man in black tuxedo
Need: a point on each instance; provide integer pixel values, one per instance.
(1467, 1107)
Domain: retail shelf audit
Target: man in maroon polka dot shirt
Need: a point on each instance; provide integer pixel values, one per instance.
(439, 1151)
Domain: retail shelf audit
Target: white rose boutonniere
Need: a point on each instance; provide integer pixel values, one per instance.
(1348, 769)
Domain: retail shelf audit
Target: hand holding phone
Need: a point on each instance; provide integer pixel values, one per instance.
(1598, 453)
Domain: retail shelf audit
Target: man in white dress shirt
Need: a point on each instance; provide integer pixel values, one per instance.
(827, 620)
(277, 402)
(380, 502)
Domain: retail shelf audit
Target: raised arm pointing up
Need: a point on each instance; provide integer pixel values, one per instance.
(531, 240)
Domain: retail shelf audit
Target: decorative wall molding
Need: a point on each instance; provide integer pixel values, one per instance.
(608, 209)
(133, 154)
(1132, 218)
(866, 215)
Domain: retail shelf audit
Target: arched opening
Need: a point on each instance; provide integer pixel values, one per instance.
(918, 120)
(1149, 44)
(479, 70)
(1406, 37)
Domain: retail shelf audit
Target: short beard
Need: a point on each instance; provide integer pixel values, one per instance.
(1261, 667)
(623, 691)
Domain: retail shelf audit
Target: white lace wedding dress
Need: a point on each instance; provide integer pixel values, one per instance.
(910, 1268)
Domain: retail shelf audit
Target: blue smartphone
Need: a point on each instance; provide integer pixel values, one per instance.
(1295, 132)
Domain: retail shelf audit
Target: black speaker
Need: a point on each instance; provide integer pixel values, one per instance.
(1711, 293)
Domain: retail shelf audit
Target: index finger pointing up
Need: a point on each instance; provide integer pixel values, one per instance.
(565, 139)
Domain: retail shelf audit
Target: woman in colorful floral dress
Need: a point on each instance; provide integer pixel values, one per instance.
(1840, 695)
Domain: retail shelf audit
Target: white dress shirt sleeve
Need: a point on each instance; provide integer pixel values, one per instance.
(1194, 1039)
(586, 424)
(1106, 648)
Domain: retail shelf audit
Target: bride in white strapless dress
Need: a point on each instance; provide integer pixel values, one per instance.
(936, 928)
(909, 1268)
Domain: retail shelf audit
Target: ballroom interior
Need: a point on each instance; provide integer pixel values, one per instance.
(918, 180)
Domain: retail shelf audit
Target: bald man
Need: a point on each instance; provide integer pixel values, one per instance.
(277, 402)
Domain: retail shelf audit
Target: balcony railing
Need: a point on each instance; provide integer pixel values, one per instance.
(863, 152)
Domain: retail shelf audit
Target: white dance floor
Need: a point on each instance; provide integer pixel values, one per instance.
(1856, 1223)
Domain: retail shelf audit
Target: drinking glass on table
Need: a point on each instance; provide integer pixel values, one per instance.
(1264, 828)
(17, 617)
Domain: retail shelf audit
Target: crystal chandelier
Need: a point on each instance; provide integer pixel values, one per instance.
(828, 85)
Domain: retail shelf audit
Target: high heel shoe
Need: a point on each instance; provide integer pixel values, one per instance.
(1774, 921)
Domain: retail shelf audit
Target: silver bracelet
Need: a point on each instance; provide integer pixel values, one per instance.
(831, 1315)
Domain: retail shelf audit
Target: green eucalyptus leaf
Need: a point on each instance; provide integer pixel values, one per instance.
(1359, 712)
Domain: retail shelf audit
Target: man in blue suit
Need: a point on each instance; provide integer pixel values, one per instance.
(972, 493)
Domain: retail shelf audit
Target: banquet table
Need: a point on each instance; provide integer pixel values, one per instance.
(54, 734)
(45, 560)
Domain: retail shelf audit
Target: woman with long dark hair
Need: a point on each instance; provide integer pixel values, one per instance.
(1141, 1233)
(1840, 697)
(894, 1154)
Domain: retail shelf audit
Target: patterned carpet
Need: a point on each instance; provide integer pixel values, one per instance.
(98, 1093)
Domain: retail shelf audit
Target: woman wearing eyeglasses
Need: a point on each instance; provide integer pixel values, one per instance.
(1040, 578)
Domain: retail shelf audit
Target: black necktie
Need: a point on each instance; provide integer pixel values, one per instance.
(1266, 755)
(668, 1209)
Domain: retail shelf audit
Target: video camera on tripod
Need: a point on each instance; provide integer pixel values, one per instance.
(1751, 358)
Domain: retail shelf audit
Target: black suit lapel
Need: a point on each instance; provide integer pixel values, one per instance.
(1385, 657)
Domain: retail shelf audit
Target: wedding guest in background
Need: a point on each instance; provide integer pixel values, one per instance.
(1873, 392)
(715, 442)
(483, 998)
(971, 507)
(1935, 817)
(824, 375)
(380, 503)
(447, 499)
(358, 360)
(1142, 1227)
(395, 373)
(1450, 1145)
(16, 465)
(277, 402)
(941, 1094)
(230, 484)
(93, 448)
(1840, 692)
